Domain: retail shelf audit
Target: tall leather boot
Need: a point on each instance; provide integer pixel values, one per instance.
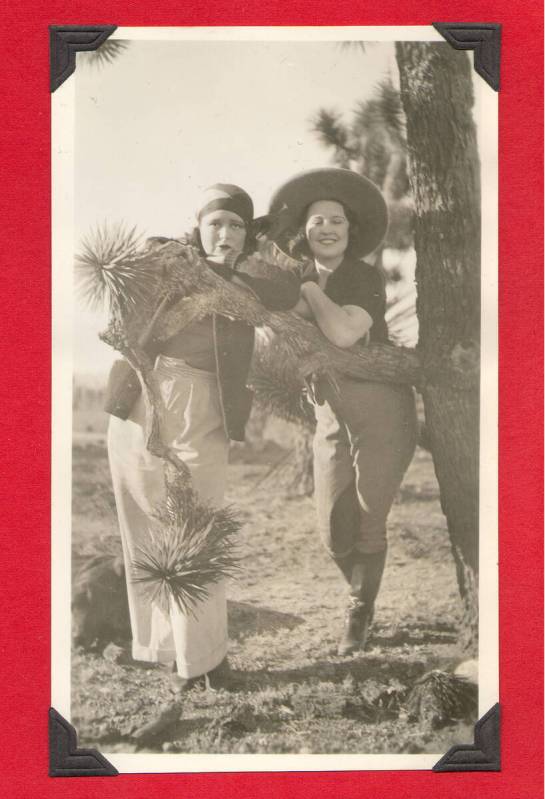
(365, 583)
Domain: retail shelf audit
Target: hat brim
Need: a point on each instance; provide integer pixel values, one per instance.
(355, 192)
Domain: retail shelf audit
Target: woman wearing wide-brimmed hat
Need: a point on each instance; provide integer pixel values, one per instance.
(201, 374)
(366, 431)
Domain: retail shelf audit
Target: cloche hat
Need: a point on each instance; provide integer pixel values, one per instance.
(226, 197)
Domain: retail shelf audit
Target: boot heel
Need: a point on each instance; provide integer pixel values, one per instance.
(364, 585)
(357, 622)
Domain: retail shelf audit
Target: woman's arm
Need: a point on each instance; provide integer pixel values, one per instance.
(303, 309)
(343, 326)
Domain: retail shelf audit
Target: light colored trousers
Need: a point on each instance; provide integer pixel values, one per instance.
(192, 424)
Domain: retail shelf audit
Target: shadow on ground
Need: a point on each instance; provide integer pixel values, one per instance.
(246, 620)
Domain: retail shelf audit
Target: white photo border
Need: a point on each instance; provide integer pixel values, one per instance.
(63, 242)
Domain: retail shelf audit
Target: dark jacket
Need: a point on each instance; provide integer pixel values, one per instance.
(277, 290)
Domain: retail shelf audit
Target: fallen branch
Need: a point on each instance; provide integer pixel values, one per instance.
(203, 293)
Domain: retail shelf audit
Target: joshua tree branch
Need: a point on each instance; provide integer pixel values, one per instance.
(197, 291)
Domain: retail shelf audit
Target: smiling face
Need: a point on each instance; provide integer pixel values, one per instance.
(326, 229)
(222, 232)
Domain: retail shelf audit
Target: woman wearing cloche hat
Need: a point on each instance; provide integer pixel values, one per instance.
(365, 431)
(201, 373)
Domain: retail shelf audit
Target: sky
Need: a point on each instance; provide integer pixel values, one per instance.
(167, 119)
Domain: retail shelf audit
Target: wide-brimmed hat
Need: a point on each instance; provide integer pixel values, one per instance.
(355, 192)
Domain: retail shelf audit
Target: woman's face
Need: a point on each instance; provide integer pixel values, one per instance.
(222, 233)
(326, 230)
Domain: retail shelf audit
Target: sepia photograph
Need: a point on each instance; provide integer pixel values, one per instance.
(274, 398)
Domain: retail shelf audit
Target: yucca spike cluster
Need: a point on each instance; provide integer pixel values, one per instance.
(277, 386)
(111, 272)
(188, 551)
(190, 547)
(439, 698)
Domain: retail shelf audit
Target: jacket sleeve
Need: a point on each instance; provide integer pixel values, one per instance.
(277, 289)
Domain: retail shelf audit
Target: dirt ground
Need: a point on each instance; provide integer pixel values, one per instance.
(290, 691)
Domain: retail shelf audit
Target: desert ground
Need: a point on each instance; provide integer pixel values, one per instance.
(290, 692)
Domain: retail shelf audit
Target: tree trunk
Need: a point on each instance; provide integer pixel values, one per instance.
(437, 96)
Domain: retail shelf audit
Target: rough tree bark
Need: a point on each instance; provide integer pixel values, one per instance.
(437, 96)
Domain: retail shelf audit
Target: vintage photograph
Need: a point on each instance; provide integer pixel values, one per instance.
(274, 398)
